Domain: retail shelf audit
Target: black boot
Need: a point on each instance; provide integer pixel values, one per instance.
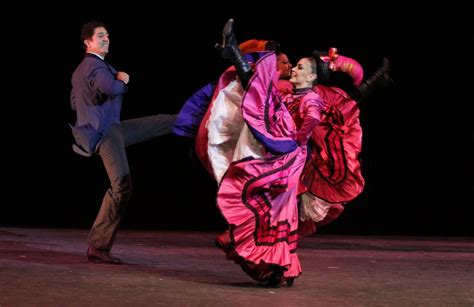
(380, 79)
(230, 50)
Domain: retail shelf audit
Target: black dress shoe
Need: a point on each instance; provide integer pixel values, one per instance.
(97, 256)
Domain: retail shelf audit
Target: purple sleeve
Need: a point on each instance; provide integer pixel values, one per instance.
(104, 81)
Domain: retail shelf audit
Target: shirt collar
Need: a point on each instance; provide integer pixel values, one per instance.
(101, 57)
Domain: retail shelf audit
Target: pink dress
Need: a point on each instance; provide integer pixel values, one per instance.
(258, 186)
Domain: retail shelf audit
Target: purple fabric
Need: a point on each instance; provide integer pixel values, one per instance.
(194, 109)
(191, 114)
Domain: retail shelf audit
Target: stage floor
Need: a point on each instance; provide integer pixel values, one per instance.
(48, 267)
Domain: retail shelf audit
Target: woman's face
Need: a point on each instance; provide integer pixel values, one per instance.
(302, 74)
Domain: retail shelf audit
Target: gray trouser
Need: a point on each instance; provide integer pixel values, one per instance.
(112, 151)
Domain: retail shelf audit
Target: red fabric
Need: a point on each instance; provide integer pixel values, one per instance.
(333, 213)
(253, 45)
(284, 87)
(334, 173)
(306, 228)
(202, 138)
(310, 120)
(201, 143)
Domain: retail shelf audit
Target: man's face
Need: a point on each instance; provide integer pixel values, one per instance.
(99, 43)
(283, 66)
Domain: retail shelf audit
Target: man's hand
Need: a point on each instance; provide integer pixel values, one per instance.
(123, 76)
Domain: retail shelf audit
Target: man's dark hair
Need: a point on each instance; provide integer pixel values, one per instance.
(88, 30)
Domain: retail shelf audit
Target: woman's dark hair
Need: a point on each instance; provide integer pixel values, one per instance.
(322, 68)
(272, 46)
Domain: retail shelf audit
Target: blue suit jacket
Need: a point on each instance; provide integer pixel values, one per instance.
(96, 96)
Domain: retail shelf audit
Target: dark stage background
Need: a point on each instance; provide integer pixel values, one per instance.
(417, 141)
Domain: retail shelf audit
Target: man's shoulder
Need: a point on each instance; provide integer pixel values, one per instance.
(91, 63)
